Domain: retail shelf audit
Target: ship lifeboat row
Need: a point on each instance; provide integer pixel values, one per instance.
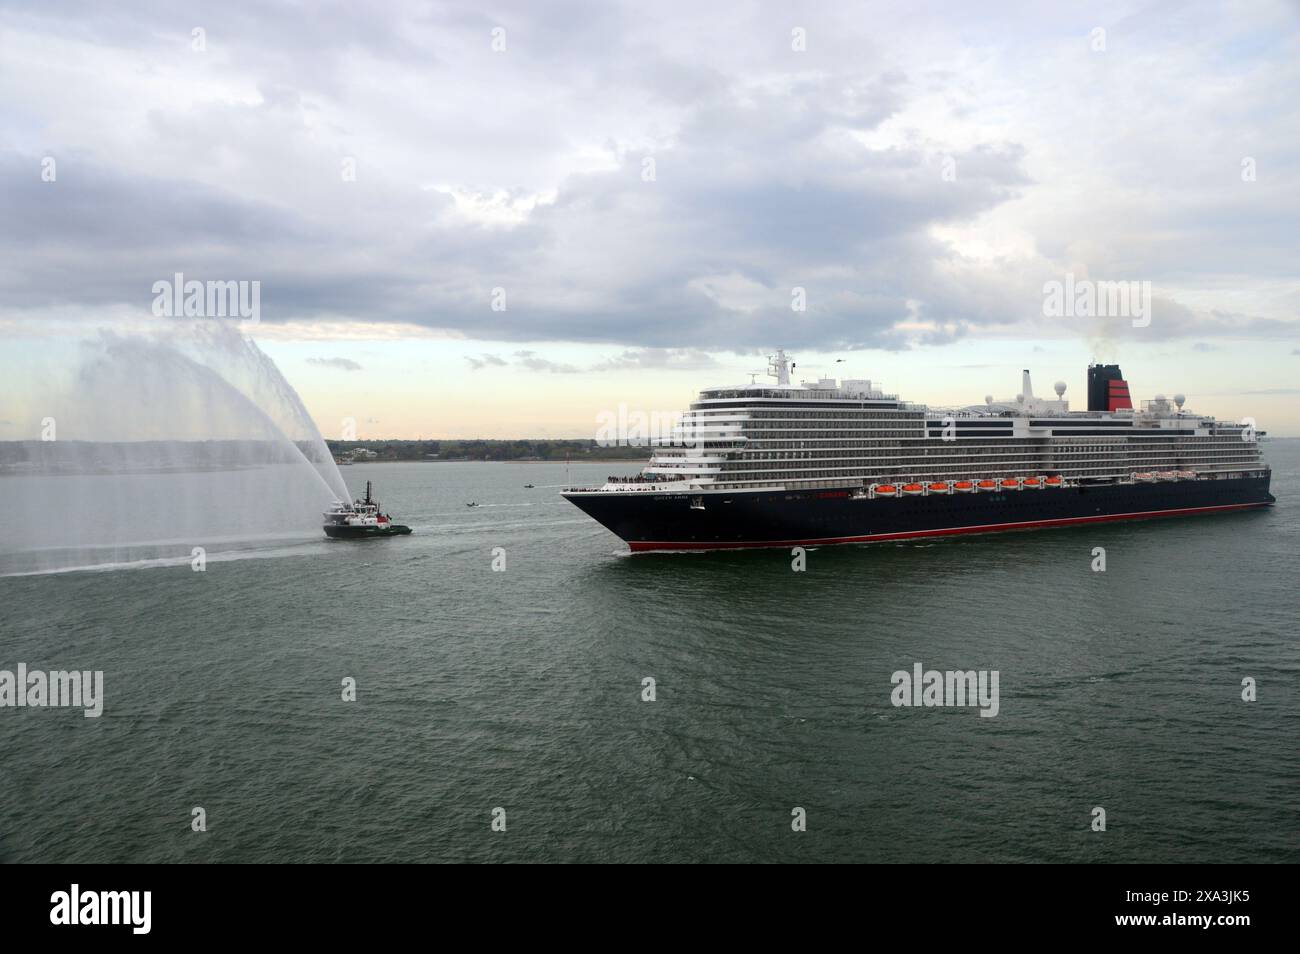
(965, 486)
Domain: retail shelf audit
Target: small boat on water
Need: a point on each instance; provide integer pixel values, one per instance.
(471, 504)
(361, 519)
(528, 486)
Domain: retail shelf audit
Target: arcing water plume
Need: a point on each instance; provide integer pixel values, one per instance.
(156, 444)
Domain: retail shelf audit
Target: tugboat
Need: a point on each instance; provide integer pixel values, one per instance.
(361, 518)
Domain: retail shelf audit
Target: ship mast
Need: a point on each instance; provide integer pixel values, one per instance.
(778, 365)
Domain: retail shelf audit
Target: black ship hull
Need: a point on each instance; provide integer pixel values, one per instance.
(364, 533)
(778, 518)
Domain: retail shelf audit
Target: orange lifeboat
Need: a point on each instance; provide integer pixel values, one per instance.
(886, 490)
(1034, 483)
(938, 488)
(913, 489)
(1009, 483)
(1145, 476)
(987, 485)
(963, 486)
(1055, 481)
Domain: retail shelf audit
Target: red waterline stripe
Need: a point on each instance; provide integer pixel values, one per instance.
(642, 545)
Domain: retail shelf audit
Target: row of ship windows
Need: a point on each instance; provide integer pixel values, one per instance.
(870, 418)
(899, 474)
(755, 447)
(1134, 461)
(945, 473)
(767, 433)
(958, 465)
(826, 411)
(984, 462)
(1136, 454)
(922, 436)
(1232, 451)
(1201, 445)
(994, 440)
(1005, 454)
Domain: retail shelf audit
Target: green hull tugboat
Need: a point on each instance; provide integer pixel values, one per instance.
(361, 519)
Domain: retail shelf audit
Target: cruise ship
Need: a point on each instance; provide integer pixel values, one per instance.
(829, 462)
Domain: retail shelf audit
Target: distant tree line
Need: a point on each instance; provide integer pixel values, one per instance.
(486, 450)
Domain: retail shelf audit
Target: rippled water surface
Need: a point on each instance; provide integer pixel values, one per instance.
(522, 689)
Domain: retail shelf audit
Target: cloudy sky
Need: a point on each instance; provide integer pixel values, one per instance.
(497, 219)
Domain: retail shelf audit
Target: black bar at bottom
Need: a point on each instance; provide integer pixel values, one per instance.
(1222, 904)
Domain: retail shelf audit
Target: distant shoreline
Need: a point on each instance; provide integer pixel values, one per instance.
(523, 450)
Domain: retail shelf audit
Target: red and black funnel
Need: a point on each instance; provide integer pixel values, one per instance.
(1107, 389)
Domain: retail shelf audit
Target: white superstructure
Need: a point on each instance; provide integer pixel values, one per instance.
(828, 433)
